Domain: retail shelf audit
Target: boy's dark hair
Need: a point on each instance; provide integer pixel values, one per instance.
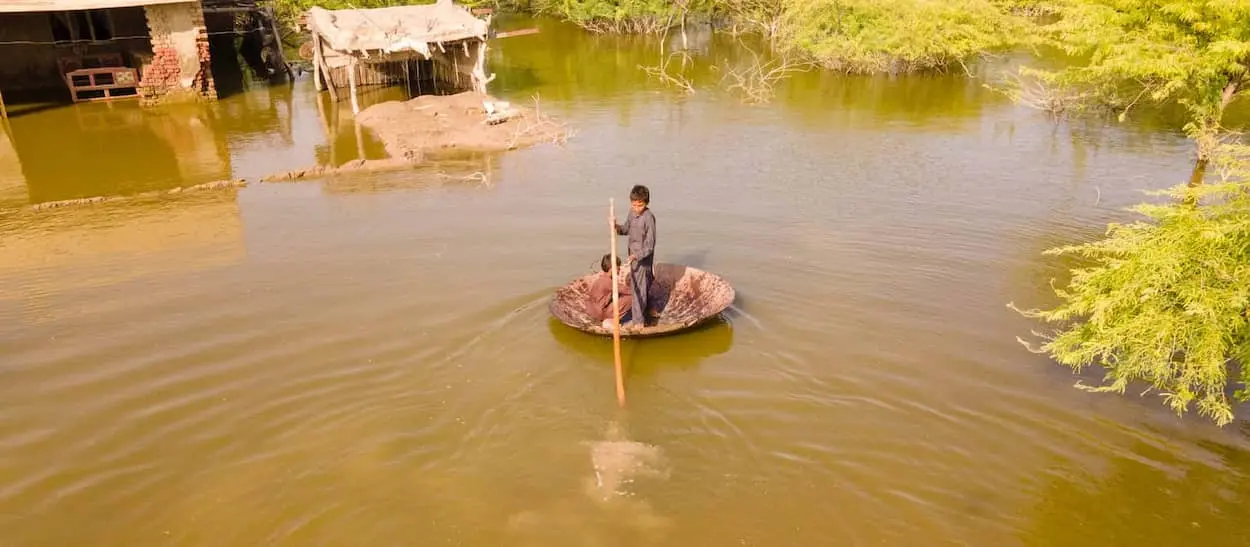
(606, 263)
(640, 193)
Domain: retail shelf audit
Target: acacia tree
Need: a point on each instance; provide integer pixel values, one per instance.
(762, 16)
(1165, 302)
(1195, 53)
(625, 16)
(896, 36)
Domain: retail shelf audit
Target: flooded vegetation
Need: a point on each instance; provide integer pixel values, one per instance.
(368, 358)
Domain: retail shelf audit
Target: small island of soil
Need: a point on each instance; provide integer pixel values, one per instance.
(429, 124)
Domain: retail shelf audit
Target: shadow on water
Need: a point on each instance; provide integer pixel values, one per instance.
(19, 110)
(47, 256)
(346, 140)
(264, 110)
(1194, 502)
(683, 350)
(121, 148)
(117, 149)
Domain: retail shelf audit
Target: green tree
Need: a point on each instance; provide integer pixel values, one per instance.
(1189, 52)
(1165, 302)
(863, 36)
(626, 16)
(869, 36)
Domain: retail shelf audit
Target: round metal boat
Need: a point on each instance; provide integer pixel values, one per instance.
(683, 296)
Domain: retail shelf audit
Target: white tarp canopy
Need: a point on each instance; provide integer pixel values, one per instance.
(25, 6)
(396, 28)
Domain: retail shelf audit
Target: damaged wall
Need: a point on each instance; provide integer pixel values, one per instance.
(167, 43)
(180, 68)
(32, 64)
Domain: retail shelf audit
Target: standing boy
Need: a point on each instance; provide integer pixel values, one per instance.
(640, 227)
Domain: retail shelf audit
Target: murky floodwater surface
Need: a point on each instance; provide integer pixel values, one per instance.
(370, 361)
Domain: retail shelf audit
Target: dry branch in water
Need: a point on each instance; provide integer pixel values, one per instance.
(661, 72)
(541, 126)
(1034, 93)
(757, 82)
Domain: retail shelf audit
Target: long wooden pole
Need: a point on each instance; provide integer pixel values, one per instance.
(407, 77)
(616, 309)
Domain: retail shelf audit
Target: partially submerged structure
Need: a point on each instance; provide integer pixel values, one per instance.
(156, 50)
(437, 50)
(440, 45)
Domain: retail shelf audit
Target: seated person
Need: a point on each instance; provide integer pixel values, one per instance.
(599, 302)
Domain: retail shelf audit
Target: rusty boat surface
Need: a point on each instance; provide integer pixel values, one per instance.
(683, 297)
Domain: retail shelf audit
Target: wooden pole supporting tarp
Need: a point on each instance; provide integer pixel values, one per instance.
(407, 77)
(351, 82)
(317, 70)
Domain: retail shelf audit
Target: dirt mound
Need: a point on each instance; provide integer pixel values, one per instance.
(441, 123)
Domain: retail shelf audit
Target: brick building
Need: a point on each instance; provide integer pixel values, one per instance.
(101, 49)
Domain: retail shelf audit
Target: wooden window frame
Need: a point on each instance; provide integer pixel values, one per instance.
(88, 35)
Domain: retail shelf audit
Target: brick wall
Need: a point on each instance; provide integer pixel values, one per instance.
(179, 68)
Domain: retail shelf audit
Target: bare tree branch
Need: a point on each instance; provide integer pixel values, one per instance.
(757, 82)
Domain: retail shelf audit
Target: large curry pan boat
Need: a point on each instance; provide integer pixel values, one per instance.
(683, 296)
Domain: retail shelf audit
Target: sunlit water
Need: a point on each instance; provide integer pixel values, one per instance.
(370, 360)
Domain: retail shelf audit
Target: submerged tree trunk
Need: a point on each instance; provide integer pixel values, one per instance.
(685, 45)
(1209, 133)
(1195, 180)
(1230, 91)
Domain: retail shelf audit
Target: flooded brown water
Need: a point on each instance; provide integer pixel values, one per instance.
(370, 360)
